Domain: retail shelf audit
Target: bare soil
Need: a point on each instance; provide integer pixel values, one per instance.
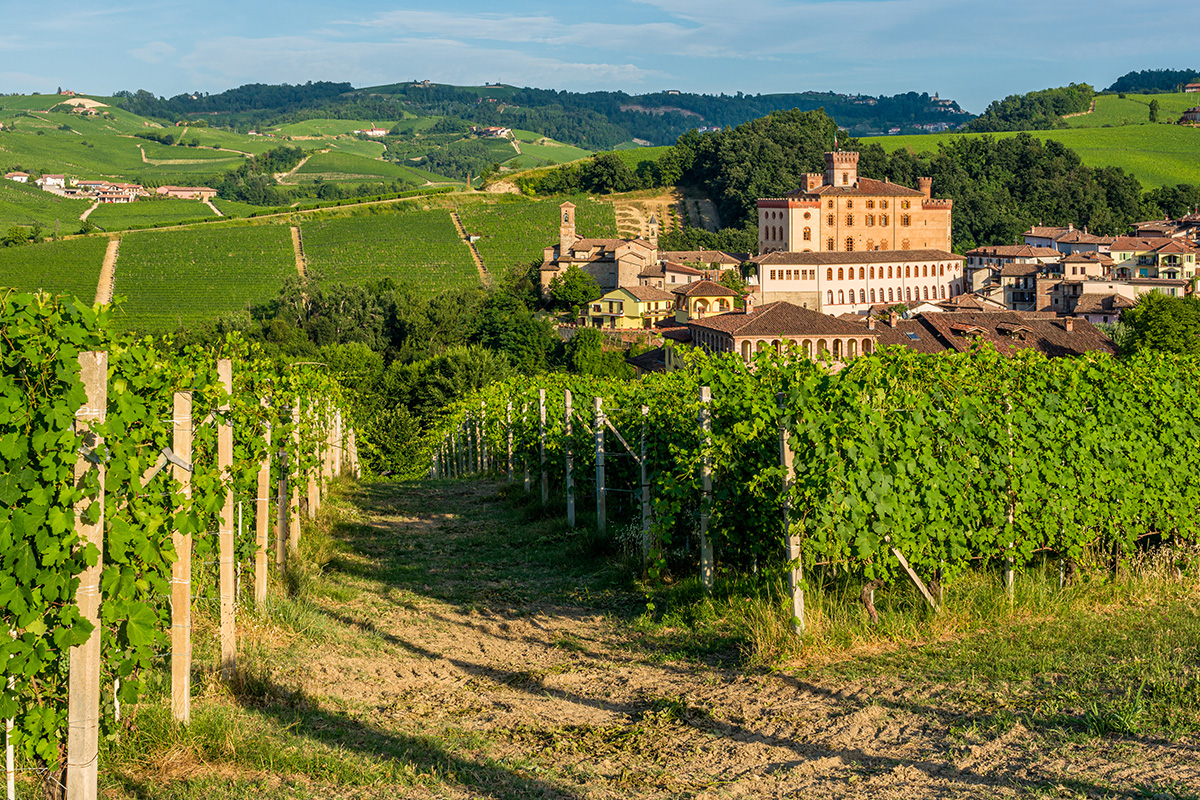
(531, 674)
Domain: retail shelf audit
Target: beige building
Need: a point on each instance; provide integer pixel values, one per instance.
(841, 212)
(631, 307)
(612, 262)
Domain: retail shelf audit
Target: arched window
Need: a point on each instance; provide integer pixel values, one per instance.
(841, 274)
(862, 273)
(841, 297)
(845, 178)
(829, 220)
(889, 272)
(849, 244)
(862, 295)
(872, 273)
(849, 220)
(925, 271)
(883, 220)
(870, 220)
(908, 293)
(926, 292)
(808, 234)
(829, 297)
(872, 297)
(906, 271)
(822, 349)
(851, 348)
(867, 347)
(890, 298)
(942, 271)
(808, 349)
(943, 292)
(829, 274)
(829, 244)
(837, 349)
(905, 220)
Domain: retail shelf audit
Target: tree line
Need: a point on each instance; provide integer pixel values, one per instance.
(1034, 111)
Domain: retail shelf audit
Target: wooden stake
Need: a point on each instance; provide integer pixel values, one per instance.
(83, 698)
(181, 570)
(225, 538)
(601, 510)
(262, 515)
(281, 511)
(915, 578)
(483, 448)
(509, 437)
(706, 556)
(791, 540)
(525, 429)
(294, 470)
(542, 446)
(10, 754)
(314, 491)
(645, 464)
(567, 399)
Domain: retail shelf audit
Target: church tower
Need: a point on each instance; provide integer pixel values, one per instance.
(653, 230)
(566, 228)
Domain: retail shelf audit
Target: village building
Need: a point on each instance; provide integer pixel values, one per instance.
(1192, 87)
(373, 132)
(1102, 308)
(667, 274)
(837, 283)
(613, 263)
(701, 299)
(631, 307)
(983, 264)
(842, 212)
(19, 177)
(1192, 115)
(708, 260)
(781, 326)
(187, 192)
(1067, 240)
(1156, 257)
(52, 182)
(1088, 266)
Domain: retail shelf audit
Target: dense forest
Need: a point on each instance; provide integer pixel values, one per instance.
(1035, 111)
(1154, 81)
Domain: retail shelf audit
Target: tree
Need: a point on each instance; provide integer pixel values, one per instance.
(572, 288)
(585, 354)
(1154, 110)
(607, 172)
(1164, 323)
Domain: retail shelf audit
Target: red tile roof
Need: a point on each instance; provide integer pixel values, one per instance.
(779, 319)
(704, 289)
(783, 257)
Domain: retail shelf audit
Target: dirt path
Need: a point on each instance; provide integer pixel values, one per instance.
(280, 176)
(298, 247)
(1082, 113)
(88, 213)
(215, 210)
(510, 655)
(108, 272)
(485, 277)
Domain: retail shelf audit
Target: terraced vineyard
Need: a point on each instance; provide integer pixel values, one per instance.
(147, 213)
(515, 232)
(419, 249)
(336, 166)
(175, 279)
(70, 266)
(23, 205)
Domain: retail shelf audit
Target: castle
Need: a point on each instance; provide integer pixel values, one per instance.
(841, 212)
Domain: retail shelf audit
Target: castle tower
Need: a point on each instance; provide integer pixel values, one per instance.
(653, 230)
(566, 228)
(926, 187)
(841, 169)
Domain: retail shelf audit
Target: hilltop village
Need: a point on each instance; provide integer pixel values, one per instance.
(847, 264)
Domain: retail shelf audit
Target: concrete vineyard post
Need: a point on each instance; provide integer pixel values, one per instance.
(281, 510)
(525, 428)
(483, 448)
(225, 536)
(508, 437)
(787, 460)
(338, 442)
(181, 570)
(570, 461)
(314, 492)
(601, 511)
(83, 699)
(10, 754)
(355, 469)
(294, 470)
(261, 516)
(433, 466)
(706, 556)
(645, 465)
(542, 445)
(472, 434)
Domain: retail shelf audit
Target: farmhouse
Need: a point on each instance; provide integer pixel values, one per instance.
(1192, 87)
(19, 177)
(612, 262)
(373, 131)
(187, 192)
(842, 212)
(1191, 115)
(52, 181)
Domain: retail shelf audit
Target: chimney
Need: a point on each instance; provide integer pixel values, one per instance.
(1070, 324)
(748, 299)
(926, 187)
(870, 322)
(893, 319)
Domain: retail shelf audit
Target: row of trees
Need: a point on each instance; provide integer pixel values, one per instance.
(1035, 111)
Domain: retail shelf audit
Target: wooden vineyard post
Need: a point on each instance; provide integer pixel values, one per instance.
(433, 465)
(1009, 574)
(338, 442)
(542, 446)
(645, 465)
(706, 556)
(472, 434)
(294, 469)
(262, 515)
(570, 461)
(525, 429)
(508, 437)
(181, 570)
(355, 470)
(314, 492)
(787, 460)
(483, 448)
(83, 699)
(225, 537)
(281, 510)
(601, 511)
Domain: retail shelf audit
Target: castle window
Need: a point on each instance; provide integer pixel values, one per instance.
(883, 219)
(872, 268)
(942, 270)
(849, 220)
(829, 272)
(845, 178)
(830, 293)
(889, 271)
(872, 297)
(870, 204)
(890, 298)
(807, 215)
(830, 244)
(829, 220)
(849, 204)
(883, 204)
(862, 273)
(862, 295)
(841, 274)
(905, 204)
(926, 292)
(807, 234)
(841, 297)
(943, 292)
(905, 219)
(849, 244)
(908, 293)
(907, 274)
(870, 220)
(925, 271)
(830, 204)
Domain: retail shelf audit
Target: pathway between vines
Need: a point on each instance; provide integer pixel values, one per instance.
(466, 627)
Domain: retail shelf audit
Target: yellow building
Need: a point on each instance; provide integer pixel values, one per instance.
(841, 212)
(702, 299)
(630, 307)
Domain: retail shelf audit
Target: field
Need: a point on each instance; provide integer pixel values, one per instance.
(148, 213)
(335, 166)
(333, 127)
(181, 278)
(232, 208)
(514, 232)
(419, 249)
(71, 266)
(547, 150)
(635, 156)
(22, 204)
(1159, 155)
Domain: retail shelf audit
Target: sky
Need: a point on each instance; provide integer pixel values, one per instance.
(967, 50)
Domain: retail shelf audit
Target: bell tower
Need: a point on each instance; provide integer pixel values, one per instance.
(566, 228)
(841, 169)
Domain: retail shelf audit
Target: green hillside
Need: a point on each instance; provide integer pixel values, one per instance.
(338, 166)
(70, 266)
(514, 231)
(22, 204)
(1158, 155)
(1133, 109)
(148, 213)
(173, 279)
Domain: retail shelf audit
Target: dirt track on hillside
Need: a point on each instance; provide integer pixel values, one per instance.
(551, 699)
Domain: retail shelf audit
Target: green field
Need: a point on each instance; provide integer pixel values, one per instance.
(232, 208)
(333, 127)
(515, 232)
(70, 266)
(355, 146)
(1159, 155)
(335, 166)
(419, 249)
(556, 153)
(148, 213)
(635, 156)
(174, 279)
(23, 204)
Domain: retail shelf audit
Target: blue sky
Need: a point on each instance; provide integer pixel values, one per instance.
(967, 50)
